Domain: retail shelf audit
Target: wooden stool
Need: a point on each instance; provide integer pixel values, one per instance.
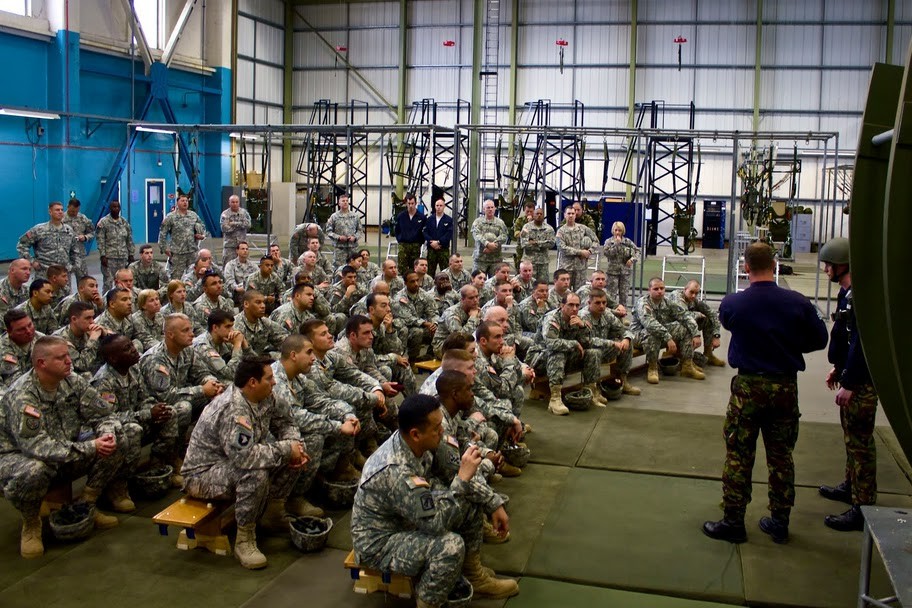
(429, 366)
(57, 496)
(368, 580)
(203, 523)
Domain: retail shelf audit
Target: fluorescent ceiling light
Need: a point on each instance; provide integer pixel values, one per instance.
(29, 113)
(242, 136)
(152, 130)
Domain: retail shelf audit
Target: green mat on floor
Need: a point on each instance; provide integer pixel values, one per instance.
(672, 443)
(541, 593)
(340, 536)
(12, 567)
(132, 564)
(557, 439)
(638, 532)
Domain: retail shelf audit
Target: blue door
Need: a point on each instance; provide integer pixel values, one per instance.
(155, 208)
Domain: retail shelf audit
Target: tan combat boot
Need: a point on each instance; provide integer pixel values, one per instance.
(556, 405)
(177, 480)
(652, 374)
(344, 470)
(246, 550)
(302, 507)
(689, 370)
(597, 397)
(119, 497)
(274, 518)
(483, 584)
(629, 389)
(711, 359)
(30, 545)
(508, 470)
(102, 520)
(490, 536)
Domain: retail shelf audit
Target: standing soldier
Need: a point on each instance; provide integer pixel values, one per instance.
(147, 273)
(490, 234)
(620, 253)
(53, 243)
(184, 228)
(235, 224)
(84, 230)
(574, 248)
(771, 329)
(856, 397)
(345, 231)
(438, 233)
(521, 220)
(115, 244)
(409, 232)
(537, 239)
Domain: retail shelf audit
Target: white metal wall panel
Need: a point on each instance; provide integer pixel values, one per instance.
(667, 84)
(789, 10)
(324, 16)
(244, 78)
(724, 89)
(385, 81)
(853, 10)
(310, 51)
(311, 86)
(544, 11)
(374, 13)
(788, 45)
(374, 48)
(726, 10)
(847, 45)
(269, 83)
(680, 10)
(270, 43)
(849, 130)
(425, 46)
(245, 35)
(601, 87)
(655, 44)
(902, 37)
(601, 44)
(244, 114)
(433, 12)
(602, 10)
(270, 10)
(844, 90)
(537, 45)
(714, 45)
(440, 84)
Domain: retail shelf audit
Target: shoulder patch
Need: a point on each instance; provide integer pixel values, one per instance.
(214, 354)
(288, 323)
(244, 422)
(10, 358)
(164, 370)
(109, 397)
(418, 482)
(452, 441)
(555, 324)
(32, 411)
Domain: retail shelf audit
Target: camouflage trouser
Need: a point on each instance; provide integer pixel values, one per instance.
(486, 262)
(618, 285)
(408, 253)
(313, 445)
(652, 344)
(861, 457)
(517, 257)
(760, 405)
(577, 269)
(25, 480)
(415, 338)
(79, 267)
(435, 560)
(341, 251)
(249, 488)
(541, 271)
(402, 375)
(108, 272)
(180, 262)
(438, 261)
(183, 413)
(556, 364)
(229, 252)
(622, 360)
(164, 441)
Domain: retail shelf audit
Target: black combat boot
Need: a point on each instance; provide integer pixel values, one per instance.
(726, 529)
(851, 520)
(776, 525)
(842, 492)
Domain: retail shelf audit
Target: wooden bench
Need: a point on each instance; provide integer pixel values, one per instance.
(430, 366)
(203, 524)
(368, 580)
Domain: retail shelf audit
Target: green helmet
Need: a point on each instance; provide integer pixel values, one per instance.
(835, 251)
(579, 400)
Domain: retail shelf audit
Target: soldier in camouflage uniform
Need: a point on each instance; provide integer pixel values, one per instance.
(390, 274)
(459, 317)
(323, 260)
(86, 291)
(521, 220)
(367, 270)
(281, 267)
(237, 270)
(659, 321)
(267, 283)
(523, 281)
(444, 295)
(400, 525)
(235, 223)
(300, 235)
(221, 347)
(771, 328)
(59, 279)
(16, 346)
(425, 281)
(566, 340)
(148, 320)
(82, 335)
(84, 230)
(147, 273)
(53, 243)
(490, 233)
(533, 309)
(262, 334)
(537, 238)
(291, 315)
(14, 289)
(345, 294)
(356, 347)
(498, 375)
(574, 248)
(612, 337)
(55, 426)
(387, 345)
(599, 280)
(458, 275)
(247, 448)
(115, 244)
(501, 273)
(855, 396)
(312, 272)
(116, 317)
(560, 288)
(177, 303)
(345, 230)
(39, 307)
(183, 228)
(416, 311)
(620, 254)
(707, 320)
(212, 298)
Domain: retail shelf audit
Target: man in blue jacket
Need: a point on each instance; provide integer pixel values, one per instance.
(438, 232)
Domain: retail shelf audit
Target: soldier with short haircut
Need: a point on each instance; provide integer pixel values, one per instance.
(537, 238)
(147, 273)
(53, 242)
(560, 288)
(282, 268)
(115, 243)
(574, 248)
(610, 336)
(459, 276)
(707, 320)
(14, 288)
(346, 292)
(59, 279)
(267, 283)
(82, 335)
(262, 334)
(39, 307)
(599, 280)
(116, 317)
(235, 223)
(84, 229)
(237, 270)
(86, 291)
(221, 347)
(389, 272)
(212, 298)
(300, 235)
(443, 293)
(459, 317)
(490, 234)
(533, 309)
(495, 379)
(179, 235)
(345, 230)
(521, 220)
(291, 315)
(425, 281)
(16, 345)
(387, 345)
(416, 311)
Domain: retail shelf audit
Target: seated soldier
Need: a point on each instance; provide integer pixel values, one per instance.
(194, 281)
(300, 235)
(281, 267)
(262, 334)
(176, 294)
(416, 311)
(524, 281)
(368, 270)
(147, 273)
(82, 335)
(560, 288)
(148, 320)
(611, 336)
(479, 278)
(16, 345)
(459, 317)
(116, 317)
(501, 274)
(59, 279)
(380, 288)
(455, 341)
(356, 347)
(39, 308)
(707, 320)
(495, 380)
(323, 261)
(399, 525)
(246, 448)
(237, 270)
(354, 260)
(459, 276)
(389, 272)
(345, 293)
(86, 291)
(221, 347)
(211, 297)
(513, 334)
(192, 273)
(443, 293)
(123, 278)
(55, 427)
(267, 283)
(533, 309)
(599, 280)
(291, 315)
(387, 345)
(521, 374)
(425, 281)
(660, 321)
(312, 272)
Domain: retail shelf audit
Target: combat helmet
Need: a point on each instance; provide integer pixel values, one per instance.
(835, 251)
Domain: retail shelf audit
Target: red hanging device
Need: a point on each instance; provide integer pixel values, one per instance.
(680, 41)
(561, 44)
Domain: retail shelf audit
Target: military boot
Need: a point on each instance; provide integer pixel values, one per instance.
(302, 507)
(652, 374)
(490, 536)
(689, 370)
(731, 530)
(508, 470)
(275, 517)
(597, 397)
(629, 389)
(556, 405)
(119, 497)
(777, 526)
(842, 492)
(851, 520)
(711, 359)
(102, 520)
(344, 470)
(30, 545)
(483, 584)
(246, 550)
(177, 480)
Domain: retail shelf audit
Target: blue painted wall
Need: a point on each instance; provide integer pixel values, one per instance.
(57, 74)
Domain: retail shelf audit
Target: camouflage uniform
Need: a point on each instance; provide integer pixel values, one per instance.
(124, 327)
(584, 291)
(240, 451)
(290, 317)
(221, 360)
(341, 304)
(442, 302)
(396, 284)
(115, 242)
(342, 381)
(481, 227)
(570, 242)
(606, 330)
(368, 273)
(264, 336)
(82, 226)
(706, 318)
(617, 254)
(237, 273)
(452, 320)
(297, 244)
(520, 221)
(199, 324)
(457, 436)
(15, 360)
(133, 409)
(148, 331)
(496, 383)
(654, 324)
(154, 276)
(83, 352)
(458, 281)
(10, 298)
(554, 298)
(524, 290)
(412, 310)
(537, 241)
(400, 525)
(47, 436)
(45, 320)
(235, 225)
(52, 245)
(514, 336)
(204, 306)
(270, 285)
(284, 271)
(531, 314)
(344, 224)
(555, 350)
(63, 308)
(182, 230)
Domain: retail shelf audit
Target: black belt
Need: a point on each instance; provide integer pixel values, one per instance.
(771, 376)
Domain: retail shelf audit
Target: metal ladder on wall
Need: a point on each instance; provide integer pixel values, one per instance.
(488, 178)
